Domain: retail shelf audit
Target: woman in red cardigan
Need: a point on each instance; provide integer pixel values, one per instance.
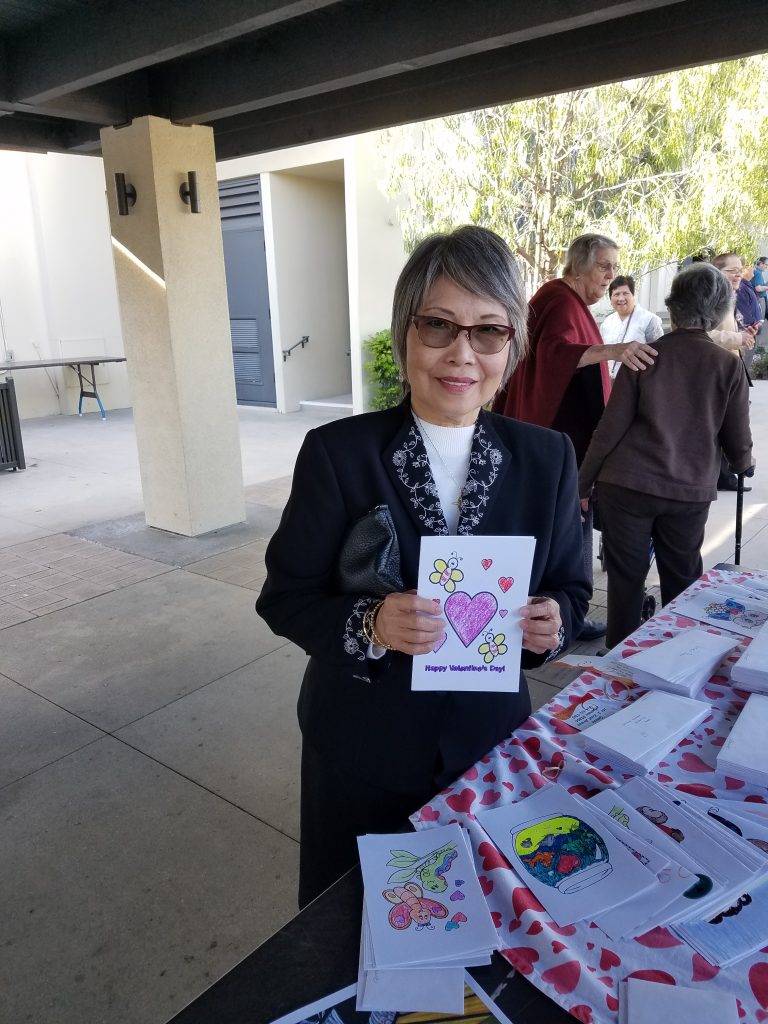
(564, 382)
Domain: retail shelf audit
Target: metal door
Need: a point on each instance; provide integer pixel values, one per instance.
(245, 263)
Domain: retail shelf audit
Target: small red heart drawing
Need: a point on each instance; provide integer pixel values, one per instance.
(503, 612)
(505, 582)
(459, 918)
(487, 563)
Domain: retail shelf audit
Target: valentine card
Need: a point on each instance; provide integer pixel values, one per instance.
(481, 584)
(424, 904)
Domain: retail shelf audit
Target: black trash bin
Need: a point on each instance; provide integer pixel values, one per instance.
(11, 448)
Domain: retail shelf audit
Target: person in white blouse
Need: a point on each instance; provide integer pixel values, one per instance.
(629, 322)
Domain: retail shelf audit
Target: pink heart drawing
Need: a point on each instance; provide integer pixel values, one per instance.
(505, 582)
(459, 918)
(503, 612)
(440, 643)
(469, 615)
(487, 563)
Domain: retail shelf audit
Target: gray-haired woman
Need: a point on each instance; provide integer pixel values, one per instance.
(564, 382)
(373, 751)
(656, 452)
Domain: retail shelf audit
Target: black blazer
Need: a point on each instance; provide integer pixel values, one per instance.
(361, 712)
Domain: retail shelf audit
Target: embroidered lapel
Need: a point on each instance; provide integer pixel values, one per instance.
(408, 464)
(488, 465)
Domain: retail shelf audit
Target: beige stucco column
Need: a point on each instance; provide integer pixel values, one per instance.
(169, 264)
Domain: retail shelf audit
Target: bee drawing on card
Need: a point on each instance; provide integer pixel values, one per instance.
(446, 574)
(493, 646)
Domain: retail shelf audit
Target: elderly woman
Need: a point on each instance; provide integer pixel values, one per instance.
(629, 321)
(373, 750)
(656, 450)
(564, 382)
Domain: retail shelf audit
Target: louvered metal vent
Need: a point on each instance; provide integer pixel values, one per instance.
(246, 352)
(240, 199)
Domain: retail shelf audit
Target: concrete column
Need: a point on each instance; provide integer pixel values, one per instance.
(169, 264)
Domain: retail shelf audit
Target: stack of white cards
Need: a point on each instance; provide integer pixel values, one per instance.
(683, 664)
(745, 752)
(713, 891)
(636, 738)
(751, 670)
(646, 1002)
(424, 920)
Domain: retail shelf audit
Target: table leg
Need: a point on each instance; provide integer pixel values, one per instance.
(82, 376)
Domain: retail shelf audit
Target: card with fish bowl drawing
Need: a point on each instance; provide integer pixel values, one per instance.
(423, 898)
(564, 854)
(479, 584)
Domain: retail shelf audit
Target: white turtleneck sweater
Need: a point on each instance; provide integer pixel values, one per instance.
(448, 451)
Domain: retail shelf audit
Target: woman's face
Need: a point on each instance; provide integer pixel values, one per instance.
(449, 385)
(732, 270)
(622, 300)
(595, 281)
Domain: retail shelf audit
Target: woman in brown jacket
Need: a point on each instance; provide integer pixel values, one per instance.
(656, 452)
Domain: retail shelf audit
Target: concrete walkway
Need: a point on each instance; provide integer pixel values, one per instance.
(148, 739)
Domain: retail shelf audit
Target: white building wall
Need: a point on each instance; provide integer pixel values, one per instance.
(309, 261)
(57, 284)
(375, 252)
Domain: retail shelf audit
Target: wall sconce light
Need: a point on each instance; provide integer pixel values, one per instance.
(188, 192)
(126, 194)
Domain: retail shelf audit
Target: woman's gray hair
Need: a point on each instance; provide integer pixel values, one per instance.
(478, 261)
(582, 253)
(700, 296)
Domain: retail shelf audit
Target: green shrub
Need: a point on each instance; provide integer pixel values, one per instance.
(382, 372)
(759, 367)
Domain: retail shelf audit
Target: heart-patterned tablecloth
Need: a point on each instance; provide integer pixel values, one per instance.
(578, 966)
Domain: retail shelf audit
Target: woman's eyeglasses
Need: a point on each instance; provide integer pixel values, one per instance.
(485, 339)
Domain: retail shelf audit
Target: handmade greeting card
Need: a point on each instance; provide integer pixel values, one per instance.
(481, 584)
(569, 860)
(720, 608)
(424, 904)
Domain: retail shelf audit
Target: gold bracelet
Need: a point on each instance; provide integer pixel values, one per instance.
(376, 638)
(367, 631)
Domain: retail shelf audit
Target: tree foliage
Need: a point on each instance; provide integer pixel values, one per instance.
(665, 165)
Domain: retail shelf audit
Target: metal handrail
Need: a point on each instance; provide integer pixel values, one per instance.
(287, 351)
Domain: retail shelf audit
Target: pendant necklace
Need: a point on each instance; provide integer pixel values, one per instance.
(425, 434)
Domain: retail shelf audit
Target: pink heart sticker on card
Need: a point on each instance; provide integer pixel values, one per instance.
(487, 563)
(505, 582)
(503, 612)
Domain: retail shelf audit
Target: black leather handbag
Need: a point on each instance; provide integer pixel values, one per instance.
(369, 562)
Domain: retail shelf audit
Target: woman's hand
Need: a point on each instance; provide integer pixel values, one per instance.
(409, 623)
(637, 355)
(540, 621)
(584, 505)
(748, 338)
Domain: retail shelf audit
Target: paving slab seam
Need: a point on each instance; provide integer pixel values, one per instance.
(49, 764)
(175, 700)
(206, 789)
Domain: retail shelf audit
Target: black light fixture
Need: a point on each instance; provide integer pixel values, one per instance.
(188, 192)
(126, 194)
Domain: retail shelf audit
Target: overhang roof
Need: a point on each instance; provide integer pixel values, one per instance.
(273, 73)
